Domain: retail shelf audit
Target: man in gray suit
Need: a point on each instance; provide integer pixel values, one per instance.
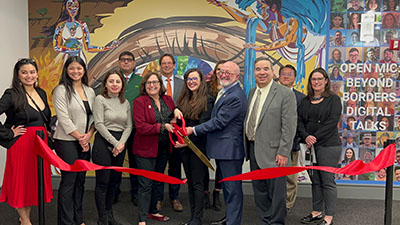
(269, 131)
(173, 85)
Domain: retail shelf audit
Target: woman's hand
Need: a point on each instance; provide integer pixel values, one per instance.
(19, 130)
(179, 145)
(169, 127)
(178, 114)
(84, 141)
(310, 140)
(117, 150)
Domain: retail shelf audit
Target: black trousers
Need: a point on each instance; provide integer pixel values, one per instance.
(105, 179)
(324, 193)
(196, 172)
(132, 164)
(72, 185)
(148, 191)
(269, 196)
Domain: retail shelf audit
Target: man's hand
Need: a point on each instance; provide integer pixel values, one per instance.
(281, 160)
(189, 130)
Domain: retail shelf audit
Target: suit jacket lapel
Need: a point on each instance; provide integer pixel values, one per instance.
(267, 102)
(78, 99)
(222, 99)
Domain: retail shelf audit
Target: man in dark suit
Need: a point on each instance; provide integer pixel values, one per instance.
(127, 64)
(173, 84)
(287, 76)
(269, 127)
(224, 143)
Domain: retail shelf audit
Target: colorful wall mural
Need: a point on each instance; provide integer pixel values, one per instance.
(305, 34)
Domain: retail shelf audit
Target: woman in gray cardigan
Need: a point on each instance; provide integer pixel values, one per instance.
(73, 100)
(113, 121)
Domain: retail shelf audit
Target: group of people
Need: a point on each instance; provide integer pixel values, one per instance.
(135, 114)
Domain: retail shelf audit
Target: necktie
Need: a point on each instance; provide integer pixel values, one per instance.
(218, 96)
(251, 124)
(127, 79)
(169, 88)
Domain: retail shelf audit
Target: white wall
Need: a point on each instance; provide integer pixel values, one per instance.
(14, 44)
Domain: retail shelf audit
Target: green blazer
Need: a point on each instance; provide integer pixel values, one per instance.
(132, 88)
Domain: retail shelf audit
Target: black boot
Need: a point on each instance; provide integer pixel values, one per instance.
(207, 204)
(103, 220)
(216, 202)
(110, 218)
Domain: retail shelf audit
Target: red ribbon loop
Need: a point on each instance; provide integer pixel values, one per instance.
(385, 159)
(46, 153)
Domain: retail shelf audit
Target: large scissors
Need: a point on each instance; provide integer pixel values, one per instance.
(182, 135)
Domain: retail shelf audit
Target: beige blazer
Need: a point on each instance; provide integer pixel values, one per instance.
(71, 114)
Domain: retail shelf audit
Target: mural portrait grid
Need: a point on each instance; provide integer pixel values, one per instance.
(366, 76)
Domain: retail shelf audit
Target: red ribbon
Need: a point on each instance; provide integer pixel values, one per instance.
(46, 153)
(385, 159)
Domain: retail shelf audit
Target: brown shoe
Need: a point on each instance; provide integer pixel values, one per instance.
(176, 205)
(159, 205)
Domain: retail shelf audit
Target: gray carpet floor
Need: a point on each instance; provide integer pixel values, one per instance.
(349, 212)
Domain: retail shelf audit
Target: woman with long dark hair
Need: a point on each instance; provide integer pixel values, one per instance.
(196, 106)
(213, 85)
(354, 21)
(113, 121)
(73, 100)
(27, 112)
(318, 117)
(349, 155)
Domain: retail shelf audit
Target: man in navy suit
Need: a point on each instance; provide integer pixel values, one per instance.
(287, 76)
(224, 138)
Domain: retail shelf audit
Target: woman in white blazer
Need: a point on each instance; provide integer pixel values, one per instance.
(73, 100)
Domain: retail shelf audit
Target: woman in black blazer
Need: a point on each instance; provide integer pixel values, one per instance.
(196, 106)
(318, 117)
(27, 111)
(73, 100)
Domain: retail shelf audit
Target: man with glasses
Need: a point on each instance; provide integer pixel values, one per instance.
(224, 139)
(173, 85)
(127, 64)
(270, 128)
(287, 76)
(354, 53)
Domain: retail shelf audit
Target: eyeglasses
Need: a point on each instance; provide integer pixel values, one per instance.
(222, 72)
(287, 75)
(167, 63)
(192, 79)
(156, 82)
(126, 60)
(26, 60)
(353, 55)
(317, 79)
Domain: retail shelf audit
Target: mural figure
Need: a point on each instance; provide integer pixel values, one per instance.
(70, 35)
(297, 30)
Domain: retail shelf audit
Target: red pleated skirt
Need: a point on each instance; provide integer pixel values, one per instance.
(20, 183)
